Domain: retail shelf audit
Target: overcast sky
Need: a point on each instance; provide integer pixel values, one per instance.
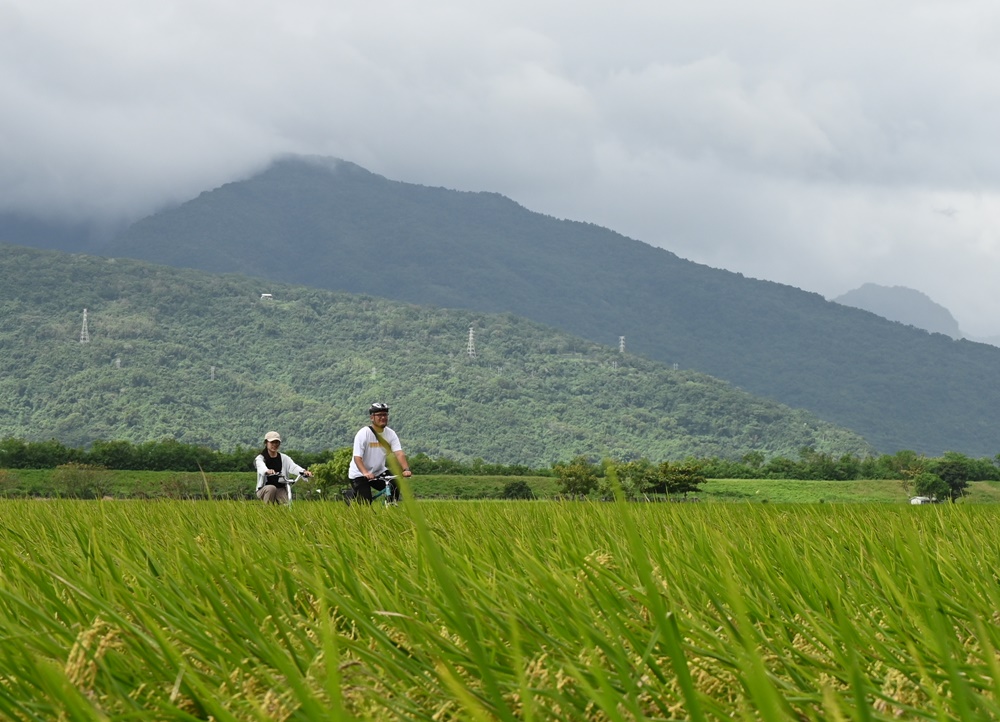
(823, 144)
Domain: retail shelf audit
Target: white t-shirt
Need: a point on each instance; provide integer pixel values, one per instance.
(371, 452)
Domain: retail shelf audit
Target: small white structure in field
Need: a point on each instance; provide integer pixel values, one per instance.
(265, 295)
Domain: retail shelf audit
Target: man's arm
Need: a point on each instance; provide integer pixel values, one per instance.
(361, 467)
(404, 465)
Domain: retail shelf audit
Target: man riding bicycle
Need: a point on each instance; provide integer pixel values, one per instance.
(371, 446)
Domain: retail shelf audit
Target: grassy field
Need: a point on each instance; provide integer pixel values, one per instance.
(176, 484)
(180, 485)
(495, 610)
(789, 491)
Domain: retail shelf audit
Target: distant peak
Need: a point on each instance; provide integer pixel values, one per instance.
(904, 305)
(317, 162)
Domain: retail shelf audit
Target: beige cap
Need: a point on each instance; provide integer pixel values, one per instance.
(272, 436)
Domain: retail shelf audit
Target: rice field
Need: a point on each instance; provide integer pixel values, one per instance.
(173, 610)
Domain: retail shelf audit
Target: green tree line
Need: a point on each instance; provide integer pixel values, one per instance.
(944, 477)
(941, 478)
(173, 455)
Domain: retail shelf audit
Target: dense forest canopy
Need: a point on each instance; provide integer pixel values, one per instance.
(203, 359)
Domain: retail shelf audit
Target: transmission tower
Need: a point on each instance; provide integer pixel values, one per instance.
(621, 344)
(84, 333)
(472, 342)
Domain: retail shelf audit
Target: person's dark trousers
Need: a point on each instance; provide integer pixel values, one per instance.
(363, 488)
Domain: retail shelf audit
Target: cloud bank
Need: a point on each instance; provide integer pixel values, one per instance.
(823, 145)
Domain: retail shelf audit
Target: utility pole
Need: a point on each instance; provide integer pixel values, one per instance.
(472, 342)
(621, 344)
(84, 333)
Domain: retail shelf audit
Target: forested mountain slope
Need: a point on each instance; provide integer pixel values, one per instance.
(334, 225)
(204, 359)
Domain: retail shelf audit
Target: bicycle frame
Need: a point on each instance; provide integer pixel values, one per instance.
(289, 483)
(386, 492)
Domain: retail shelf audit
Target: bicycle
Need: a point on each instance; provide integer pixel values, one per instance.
(389, 493)
(279, 478)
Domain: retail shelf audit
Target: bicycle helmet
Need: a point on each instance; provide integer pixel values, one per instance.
(378, 408)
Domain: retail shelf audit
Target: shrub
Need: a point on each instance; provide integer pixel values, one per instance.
(577, 478)
(329, 477)
(635, 478)
(82, 481)
(931, 485)
(183, 486)
(679, 478)
(517, 490)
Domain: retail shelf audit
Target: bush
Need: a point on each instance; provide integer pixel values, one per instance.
(635, 478)
(517, 490)
(577, 478)
(82, 481)
(679, 478)
(931, 485)
(183, 486)
(328, 478)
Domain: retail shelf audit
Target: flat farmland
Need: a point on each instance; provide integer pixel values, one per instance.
(493, 610)
(16, 483)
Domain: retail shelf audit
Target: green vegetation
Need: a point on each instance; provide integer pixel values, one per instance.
(172, 455)
(898, 386)
(84, 473)
(76, 481)
(86, 482)
(202, 359)
(497, 610)
(792, 491)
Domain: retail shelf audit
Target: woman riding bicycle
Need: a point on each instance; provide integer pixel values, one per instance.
(274, 470)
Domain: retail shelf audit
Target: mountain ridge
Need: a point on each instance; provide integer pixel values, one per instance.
(911, 307)
(904, 305)
(332, 224)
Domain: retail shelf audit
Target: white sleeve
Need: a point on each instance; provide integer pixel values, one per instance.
(259, 463)
(292, 467)
(361, 442)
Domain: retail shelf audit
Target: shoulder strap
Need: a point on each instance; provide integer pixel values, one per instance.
(381, 440)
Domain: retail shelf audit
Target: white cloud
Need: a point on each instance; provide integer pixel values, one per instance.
(811, 143)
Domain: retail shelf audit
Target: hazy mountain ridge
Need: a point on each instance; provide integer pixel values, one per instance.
(204, 359)
(905, 305)
(908, 306)
(335, 225)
